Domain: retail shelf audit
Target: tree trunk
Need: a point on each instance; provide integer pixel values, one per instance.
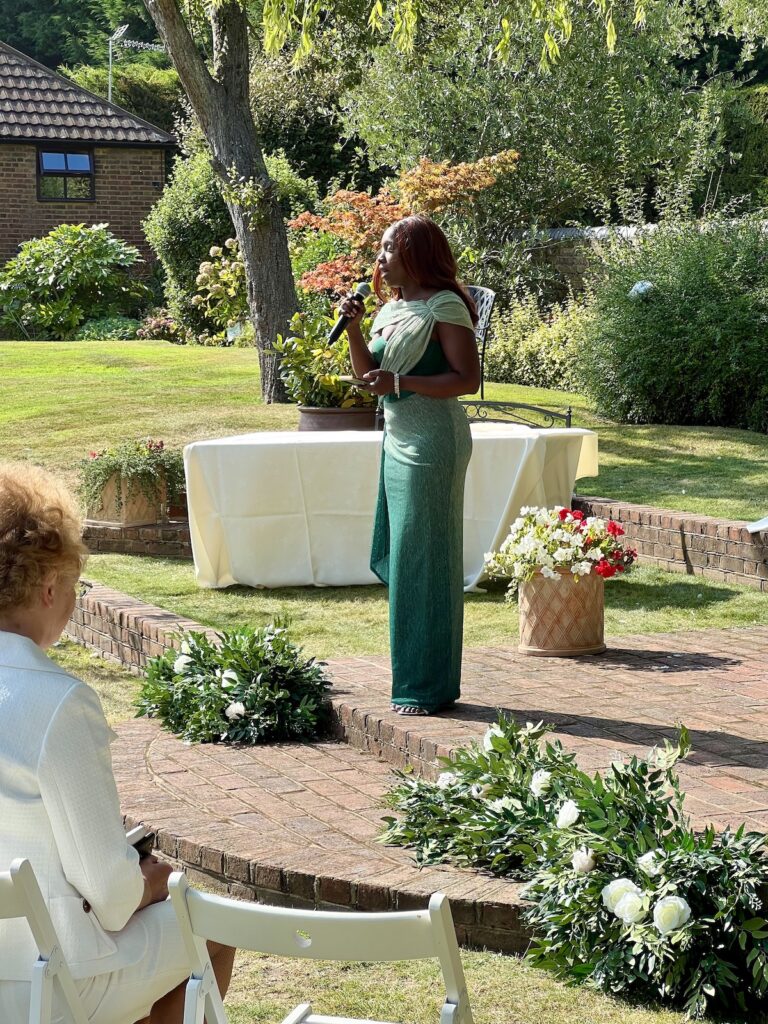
(221, 103)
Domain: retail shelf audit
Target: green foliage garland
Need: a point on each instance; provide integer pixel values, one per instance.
(623, 894)
(249, 686)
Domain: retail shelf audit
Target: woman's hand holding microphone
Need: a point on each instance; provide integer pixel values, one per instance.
(379, 382)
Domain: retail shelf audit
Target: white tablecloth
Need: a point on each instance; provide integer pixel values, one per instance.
(295, 509)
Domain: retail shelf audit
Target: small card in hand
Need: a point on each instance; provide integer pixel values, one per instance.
(141, 840)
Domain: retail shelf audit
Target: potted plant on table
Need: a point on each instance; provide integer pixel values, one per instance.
(132, 483)
(559, 559)
(311, 370)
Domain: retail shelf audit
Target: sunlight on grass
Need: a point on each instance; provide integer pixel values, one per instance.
(59, 400)
(336, 621)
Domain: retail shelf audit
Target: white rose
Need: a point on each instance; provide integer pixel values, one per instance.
(181, 663)
(540, 782)
(445, 779)
(614, 891)
(670, 913)
(235, 710)
(649, 864)
(630, 908)
(583, 860)
(567, 815)
(494, 730)
(228, 678)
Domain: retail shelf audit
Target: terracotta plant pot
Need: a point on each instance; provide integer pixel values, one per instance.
(562, 618)
(135, 509)
(311, 418)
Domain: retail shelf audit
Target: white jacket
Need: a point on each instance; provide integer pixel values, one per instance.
(59, 808)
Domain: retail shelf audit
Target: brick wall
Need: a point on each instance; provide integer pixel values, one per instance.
(165, 540)
(718, 549)
(128, 183)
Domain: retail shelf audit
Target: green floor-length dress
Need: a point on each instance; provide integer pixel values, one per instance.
(418, 534)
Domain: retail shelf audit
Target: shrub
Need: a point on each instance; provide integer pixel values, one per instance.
(624, 895)
(184, 223)
(108, 328)
(692, 348)
(294, 192)
(159, 325)
(72, 274)
(252, 686)
(152, 93)
(535, 349)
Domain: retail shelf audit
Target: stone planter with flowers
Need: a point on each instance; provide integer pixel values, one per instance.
(131, 484)
(558, 559)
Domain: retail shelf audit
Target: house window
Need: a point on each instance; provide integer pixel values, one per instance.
(65, 176)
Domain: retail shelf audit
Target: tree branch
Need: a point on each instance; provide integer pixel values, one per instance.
(190, 66)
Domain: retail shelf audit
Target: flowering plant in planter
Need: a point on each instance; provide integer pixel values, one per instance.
(145, 467)
(548, 540)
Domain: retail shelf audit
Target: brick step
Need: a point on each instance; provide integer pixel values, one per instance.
(295, 825)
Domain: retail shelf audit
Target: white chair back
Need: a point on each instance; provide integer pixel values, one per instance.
(314, 935)
(20, 896)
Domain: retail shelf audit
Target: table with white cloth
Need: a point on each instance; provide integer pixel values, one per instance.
(290, 509)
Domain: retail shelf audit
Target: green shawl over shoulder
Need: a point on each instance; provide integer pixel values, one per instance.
(414, 325)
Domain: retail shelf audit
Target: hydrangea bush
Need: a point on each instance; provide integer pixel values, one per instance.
(623, 894)
(549, 540)
(247, 686)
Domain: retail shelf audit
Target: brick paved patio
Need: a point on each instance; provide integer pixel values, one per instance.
(298, 823)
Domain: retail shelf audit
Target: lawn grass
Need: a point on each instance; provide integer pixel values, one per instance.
(59, 400)
(338, 621)
(503, 989)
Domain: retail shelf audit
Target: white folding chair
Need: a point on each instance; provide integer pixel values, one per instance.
(313, 935)
(20, 896)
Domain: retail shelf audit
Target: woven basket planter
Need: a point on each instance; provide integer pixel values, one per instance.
(562, 618)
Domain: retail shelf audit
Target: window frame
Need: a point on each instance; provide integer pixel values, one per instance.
(41, 174)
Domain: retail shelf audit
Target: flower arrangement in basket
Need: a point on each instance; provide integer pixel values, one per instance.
(557, 548)
(131, 481)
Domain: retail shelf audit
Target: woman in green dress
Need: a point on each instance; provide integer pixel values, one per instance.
(422, 356)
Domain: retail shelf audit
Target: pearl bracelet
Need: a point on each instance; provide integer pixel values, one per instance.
(397, 384)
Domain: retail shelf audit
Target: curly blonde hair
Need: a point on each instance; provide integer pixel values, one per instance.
(40, 532)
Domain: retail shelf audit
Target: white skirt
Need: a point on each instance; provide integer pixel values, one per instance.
(127, 995)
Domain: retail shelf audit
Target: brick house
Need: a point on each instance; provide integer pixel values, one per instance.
(67, 156)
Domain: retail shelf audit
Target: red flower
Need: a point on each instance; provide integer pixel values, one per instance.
(93, 455)
(605, 569)
(614, 529)
(578, 516)
(563, 514)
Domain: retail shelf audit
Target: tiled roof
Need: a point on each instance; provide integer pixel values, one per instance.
(39, 105)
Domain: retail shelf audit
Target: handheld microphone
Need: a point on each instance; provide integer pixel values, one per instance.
(363, 290)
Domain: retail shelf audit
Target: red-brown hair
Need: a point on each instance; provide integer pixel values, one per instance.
(427, 258)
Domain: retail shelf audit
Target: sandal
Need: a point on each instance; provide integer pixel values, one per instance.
(409, 710)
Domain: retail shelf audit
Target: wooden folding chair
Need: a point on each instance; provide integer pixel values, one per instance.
(313, 935)
(20, 896)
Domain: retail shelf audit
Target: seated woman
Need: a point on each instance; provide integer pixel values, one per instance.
(58, 800)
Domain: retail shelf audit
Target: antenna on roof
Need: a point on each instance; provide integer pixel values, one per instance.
(117, 34)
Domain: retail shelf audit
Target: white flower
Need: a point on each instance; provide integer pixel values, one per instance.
(649, 864)
(583, 860)
(495, 730)
(186, 647)
(235, 710)
(181, 663)
(581, 568)
(614, 891)
(228, 678)
(550, 574)
(630, 908)
(446, 779)
(540, 782)
(670, 913)
(567, 815)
